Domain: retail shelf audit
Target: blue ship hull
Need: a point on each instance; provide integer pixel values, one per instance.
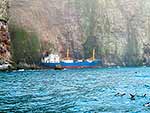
(75, 64)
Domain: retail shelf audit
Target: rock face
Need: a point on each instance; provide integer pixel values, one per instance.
(54, 21)
(5, 55)
(4, 10)
(118, 29)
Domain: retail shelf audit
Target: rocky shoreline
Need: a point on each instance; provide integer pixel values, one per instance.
(10, 67)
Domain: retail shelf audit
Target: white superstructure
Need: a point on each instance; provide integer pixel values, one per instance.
(51, 59)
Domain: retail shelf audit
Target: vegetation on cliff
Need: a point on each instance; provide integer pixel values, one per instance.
(25, 46)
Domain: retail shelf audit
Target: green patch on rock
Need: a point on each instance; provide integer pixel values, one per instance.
(25, 46)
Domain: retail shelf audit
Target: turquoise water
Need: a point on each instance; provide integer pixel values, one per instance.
(75, 91)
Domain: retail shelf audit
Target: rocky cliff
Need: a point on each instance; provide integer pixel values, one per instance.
(118, 29)
(5, 55)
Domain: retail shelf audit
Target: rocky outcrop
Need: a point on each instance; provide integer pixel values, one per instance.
(4, 10)
(5, 56)
(118, 29)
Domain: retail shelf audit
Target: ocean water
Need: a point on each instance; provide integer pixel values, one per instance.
(76, 91)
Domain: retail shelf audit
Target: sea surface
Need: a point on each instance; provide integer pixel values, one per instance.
(76, 91)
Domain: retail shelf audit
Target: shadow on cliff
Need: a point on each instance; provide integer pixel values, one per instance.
(25, 45)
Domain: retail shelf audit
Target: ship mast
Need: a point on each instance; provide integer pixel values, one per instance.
(68, 52)
(93, 57)
(148, 27)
